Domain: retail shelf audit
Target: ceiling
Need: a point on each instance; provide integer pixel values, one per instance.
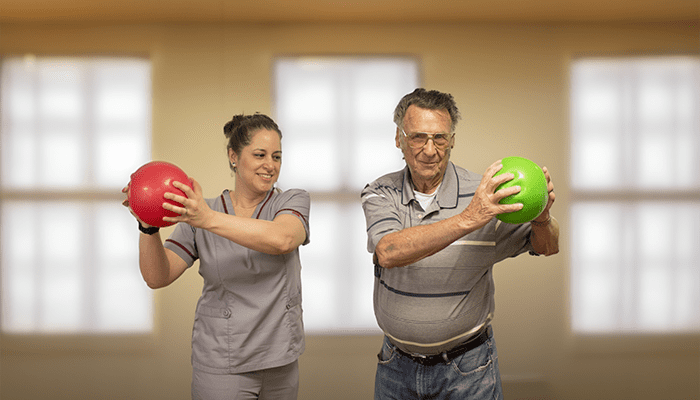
(347, 10)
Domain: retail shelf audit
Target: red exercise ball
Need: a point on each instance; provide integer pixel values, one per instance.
(147, 189)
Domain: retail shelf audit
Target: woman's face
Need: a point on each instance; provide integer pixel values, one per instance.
(258, 165)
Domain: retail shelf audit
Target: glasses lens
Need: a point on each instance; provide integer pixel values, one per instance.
(417, 139)
(440, 140)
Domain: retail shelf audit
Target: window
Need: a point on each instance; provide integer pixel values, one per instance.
(72, 132)
(635, 209)
(336, 115)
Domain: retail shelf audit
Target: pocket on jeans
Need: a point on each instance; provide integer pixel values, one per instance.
(475, 361)
(387, 353)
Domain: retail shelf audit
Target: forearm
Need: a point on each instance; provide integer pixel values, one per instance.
(279, 236)
(409, 245)
(153, 262)
(545, 236)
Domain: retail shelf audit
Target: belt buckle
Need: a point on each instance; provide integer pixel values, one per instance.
(419, 358)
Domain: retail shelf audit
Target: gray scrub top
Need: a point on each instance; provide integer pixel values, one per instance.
(249, 316)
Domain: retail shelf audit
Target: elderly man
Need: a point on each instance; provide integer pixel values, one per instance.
(432, 231)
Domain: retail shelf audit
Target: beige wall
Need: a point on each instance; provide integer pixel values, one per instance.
(510, 82)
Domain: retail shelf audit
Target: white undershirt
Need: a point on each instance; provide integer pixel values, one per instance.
(425, 200)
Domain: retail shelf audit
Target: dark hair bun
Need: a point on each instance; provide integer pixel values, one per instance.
(234, 124)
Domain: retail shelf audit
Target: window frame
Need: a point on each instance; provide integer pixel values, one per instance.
(108, 342)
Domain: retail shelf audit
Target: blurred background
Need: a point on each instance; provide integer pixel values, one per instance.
(606, 94)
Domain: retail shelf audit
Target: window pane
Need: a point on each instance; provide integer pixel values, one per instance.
(665, 256)
(338, 279)
(60, 83)
(635, 267)
(64, 116)
(61, 232)
(329, 108)
(378, 154)
(318, 276)
(310, 164)
(122, 91)
(54, 283)
(596, 163)
(597, 232)
(18, 87)
(19, 163)
(123, 301)
(62, 160)
(635, 123)
(117, 155)
(360, 278)
(20, 262)
(307, 96)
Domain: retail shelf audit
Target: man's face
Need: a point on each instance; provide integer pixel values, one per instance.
(427, 163)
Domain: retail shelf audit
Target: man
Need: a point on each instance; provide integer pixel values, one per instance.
(432, 231)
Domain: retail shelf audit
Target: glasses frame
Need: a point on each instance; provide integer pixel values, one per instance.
(429, 136)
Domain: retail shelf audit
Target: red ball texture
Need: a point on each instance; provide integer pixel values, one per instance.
(533, 190)
(147, 190)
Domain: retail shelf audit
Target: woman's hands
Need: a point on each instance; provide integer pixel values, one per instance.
(126, 204)
(194, 210)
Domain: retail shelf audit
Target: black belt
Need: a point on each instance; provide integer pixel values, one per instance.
(449, 355)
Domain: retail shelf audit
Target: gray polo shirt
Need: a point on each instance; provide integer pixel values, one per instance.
(442, 300)
(249, 315)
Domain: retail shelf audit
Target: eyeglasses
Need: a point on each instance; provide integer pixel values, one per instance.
(419, 139)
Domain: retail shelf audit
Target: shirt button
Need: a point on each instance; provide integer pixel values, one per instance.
(227, 312)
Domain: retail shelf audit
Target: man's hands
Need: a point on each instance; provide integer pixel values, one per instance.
(544, 216)
(485, 204)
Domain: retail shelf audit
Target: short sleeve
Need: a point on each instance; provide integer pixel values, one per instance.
(182, 242)
(382, 215)
(296, 202)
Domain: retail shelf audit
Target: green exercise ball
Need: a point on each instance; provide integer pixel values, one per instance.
(533, 190)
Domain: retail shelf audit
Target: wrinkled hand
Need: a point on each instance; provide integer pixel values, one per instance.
(485, 204)
(194, 210)
(544, 216)
(126, 204)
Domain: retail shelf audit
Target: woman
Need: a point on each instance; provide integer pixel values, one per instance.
(248, 331)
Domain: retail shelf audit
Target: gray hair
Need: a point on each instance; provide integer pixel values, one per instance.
(430, 100)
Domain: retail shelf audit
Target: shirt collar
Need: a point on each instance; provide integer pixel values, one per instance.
(447, 192)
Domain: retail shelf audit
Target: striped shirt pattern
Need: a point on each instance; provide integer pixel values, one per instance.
(440, 301)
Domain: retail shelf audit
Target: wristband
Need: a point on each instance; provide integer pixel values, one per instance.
(148, 231)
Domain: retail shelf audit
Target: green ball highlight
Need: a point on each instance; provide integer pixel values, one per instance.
(533, 190)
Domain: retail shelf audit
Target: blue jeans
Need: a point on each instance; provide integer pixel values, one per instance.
(473, 375)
